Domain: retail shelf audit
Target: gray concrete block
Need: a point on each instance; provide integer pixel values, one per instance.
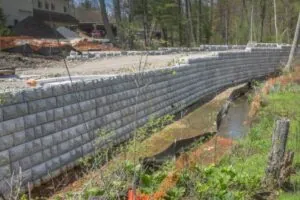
(59, 113)
(64, 135)
(21, 137)
(25, 163)
(47, 141)
(1, 114)
(53, 164)
(57, 137)
(27, 176)
(65, 158)
(39, 171)
(5, 172)
(36, 158)
(41, 117)
(37, 106)
(4, 158)
(50, 115)
(60, 89)
(30, 120)
(6, 142)
(12, 126)
(48, 128)
(18, 152)
(51, 103)
(15, 167)
(47, 155)
(38, 132)
(34, 146)
(54, 150)
(87, 148)
(63, 147)
(14, 111)
(77, 141)
(58, 125)
(68, 110)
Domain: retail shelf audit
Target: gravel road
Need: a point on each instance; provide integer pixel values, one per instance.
(41, 68)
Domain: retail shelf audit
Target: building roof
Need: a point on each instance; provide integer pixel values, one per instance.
(90, 16)
(45, 15)
(32, 26)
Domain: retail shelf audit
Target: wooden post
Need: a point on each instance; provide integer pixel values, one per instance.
(279, 164)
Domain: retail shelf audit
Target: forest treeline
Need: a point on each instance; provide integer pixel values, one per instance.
(195, 22)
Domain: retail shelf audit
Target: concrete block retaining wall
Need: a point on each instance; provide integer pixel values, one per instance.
(47, 129)
(161, 51)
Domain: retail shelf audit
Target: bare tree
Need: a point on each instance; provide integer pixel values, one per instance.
(288, 67)
(262, 17)
(106, 21)
(275, 20)
(117, 11)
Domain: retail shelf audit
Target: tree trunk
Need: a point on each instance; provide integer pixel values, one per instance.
(200, 22)
(145, 22)
(130, 19)
(106, 21)
(288, 67)
(262, 17)
(189, 9)
(117, 11)
(275, 20)
(180, 22)
(211, 18)
(187, 25)
(251, 26)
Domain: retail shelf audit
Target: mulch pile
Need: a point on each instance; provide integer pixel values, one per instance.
(85, 45)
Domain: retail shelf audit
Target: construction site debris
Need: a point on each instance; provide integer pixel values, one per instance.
(49, 47)
(86, 45)
(67, 33)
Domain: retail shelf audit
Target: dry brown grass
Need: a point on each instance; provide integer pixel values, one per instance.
(283, 80)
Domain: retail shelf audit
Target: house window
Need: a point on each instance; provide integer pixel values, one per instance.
(47, 5)
(65, 9)
(39, 4)
(52, 6)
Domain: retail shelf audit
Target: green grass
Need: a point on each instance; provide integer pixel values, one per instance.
(249, 158)
(251, 154)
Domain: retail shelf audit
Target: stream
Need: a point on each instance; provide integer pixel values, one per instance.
(233, 124)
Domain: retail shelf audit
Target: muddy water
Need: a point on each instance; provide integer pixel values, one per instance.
(233, 124)
(203, 120)
(199, 121)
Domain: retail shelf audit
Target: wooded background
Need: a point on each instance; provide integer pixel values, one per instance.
(195, 22)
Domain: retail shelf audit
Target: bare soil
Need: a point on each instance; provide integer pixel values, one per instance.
(41, 67)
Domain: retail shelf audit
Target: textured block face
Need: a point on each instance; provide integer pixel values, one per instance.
(4, 158)
(6, 142)
(5, 172)
(14, 111)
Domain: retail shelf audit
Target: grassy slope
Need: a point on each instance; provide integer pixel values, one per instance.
(238, 175)
(252, 153)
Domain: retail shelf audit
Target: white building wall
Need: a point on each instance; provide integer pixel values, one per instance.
(60, 6)
(16, 10)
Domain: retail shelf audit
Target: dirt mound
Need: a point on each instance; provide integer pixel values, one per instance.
(13, 61)
(29, 45)
(85, 45)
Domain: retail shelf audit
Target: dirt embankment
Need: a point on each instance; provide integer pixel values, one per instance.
(13, 61)
(28, 45)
